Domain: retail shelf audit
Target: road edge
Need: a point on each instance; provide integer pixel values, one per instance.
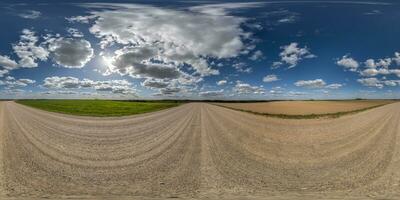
(2, 175)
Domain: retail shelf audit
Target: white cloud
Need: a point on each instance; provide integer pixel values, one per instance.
(56, 82)
(71, 52)
(10, 82)
(348, 63)
(30, 14)
(245, 88)
(216, 93)
(270, 78)
(370, 82)
(385, 63)
(74, 32)
(292, 54)
(113, 86)
(256, 55)
(242, 67)
(168, 91)
(136, 62)
(223, 8)
(276, 92)
(7, 63)
(396, 72)
(221, 82)
(391, 82)
(180, 36)
(317, 83)
(81, 19)
(3, 72)
(27, 50)
(276, 64)
(397, 58)
(370, 63)
(334, 86)
(374, 72)
(155, 83)
(380, 67)
(296, 93)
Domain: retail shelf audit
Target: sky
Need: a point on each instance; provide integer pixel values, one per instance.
(229, 50)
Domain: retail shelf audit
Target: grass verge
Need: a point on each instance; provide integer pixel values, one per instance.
(308, 116)
(98, 108)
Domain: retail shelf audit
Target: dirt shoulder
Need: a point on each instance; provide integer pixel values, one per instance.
(2, 179)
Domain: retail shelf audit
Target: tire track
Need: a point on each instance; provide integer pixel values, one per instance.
(198, 150)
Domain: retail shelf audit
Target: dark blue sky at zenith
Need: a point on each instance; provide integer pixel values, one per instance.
(200, 49)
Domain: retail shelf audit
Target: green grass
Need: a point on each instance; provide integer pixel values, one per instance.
(98, 108)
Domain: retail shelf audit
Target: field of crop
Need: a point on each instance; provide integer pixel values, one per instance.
(306, 109)
(200, 151)
(99, 108)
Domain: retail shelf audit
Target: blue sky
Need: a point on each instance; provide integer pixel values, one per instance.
(200, 49)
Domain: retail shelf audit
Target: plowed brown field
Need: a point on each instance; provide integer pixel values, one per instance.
(305, 107)
(199, 151)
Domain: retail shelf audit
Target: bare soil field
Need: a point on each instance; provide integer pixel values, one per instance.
(305, 107)
(199, 151)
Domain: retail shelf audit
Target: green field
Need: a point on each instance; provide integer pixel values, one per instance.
(98, 108)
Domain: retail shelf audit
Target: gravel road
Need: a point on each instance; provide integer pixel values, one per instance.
(199, 151)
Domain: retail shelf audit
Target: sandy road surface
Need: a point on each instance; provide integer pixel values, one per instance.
(200, 151)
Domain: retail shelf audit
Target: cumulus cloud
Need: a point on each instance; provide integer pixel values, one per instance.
(370, 63)
(8, 63)
(168, 91)
(257, 55)
(81, 19)
(215, 93)
(75, 32)
(296, 93)
(374, 82)
(114, 86)
(270, 78)
(184, 36)
(348, 63)
(380, 67)
(28, 51)
(397, 58)
(317, 83)
(221, 82)
(374, 72)
(71, 52)
(3, 72)
(137, 63)
(30, 14)
(334, 86)
(245, 88)
(242, 67)
(155, 83)
(370, 82)
(292, 55)
(56, 82)
(10, 82)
